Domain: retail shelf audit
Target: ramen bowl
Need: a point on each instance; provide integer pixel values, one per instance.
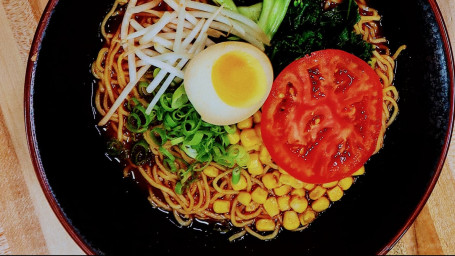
(108, 214)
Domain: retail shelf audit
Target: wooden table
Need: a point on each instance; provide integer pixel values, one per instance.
(27, 223)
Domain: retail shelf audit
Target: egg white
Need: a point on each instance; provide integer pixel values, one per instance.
(202, 94)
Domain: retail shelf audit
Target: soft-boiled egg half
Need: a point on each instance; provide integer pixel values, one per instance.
(228, 82)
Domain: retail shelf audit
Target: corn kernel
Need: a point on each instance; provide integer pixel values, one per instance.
(211, 171)
(307, 217)
(298, 204)
(298, 192)
(291, 220)
(241, 185)
(249, 138)
(282, 190)
(270, 181)
(264, 155)
(335, 193)
(286, 179)
(277, 175)
(221, 206)
(321, 204)
(308, 186)
(253, 148)
(257, 129)
(330, 184)
(271, 206)
(244, 198)
(297, 183)
(245, 124)
(252, 206)
(283, 203)
(254, 165)
(265, 225)
(346, 183)
(259, 195)
(317, 192)
(359, 171)
(234, 138)
(257, 117)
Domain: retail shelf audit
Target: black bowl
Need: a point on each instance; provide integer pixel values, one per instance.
(107, 214)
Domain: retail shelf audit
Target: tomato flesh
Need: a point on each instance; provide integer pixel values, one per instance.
(322, 119)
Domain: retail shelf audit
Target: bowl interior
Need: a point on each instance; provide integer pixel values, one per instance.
(112, 215)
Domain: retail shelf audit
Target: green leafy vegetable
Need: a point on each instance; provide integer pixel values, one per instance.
(272, 14)
(268, 14)
(228, 4)
(307, 28)
(253, 12)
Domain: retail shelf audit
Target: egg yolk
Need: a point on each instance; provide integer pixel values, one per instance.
(239, 79)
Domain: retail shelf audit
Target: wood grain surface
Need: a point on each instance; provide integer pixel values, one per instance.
(29, 226)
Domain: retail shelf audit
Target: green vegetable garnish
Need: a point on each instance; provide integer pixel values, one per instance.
(236, 175)
(138, 121)
(230, 128)
(272, 14)
(175, 122)
(179, 98)
(140, 152)
(308, 28)
(228, 4)
(268, 14)
(253, 12)
(114, 147)
(178, 188)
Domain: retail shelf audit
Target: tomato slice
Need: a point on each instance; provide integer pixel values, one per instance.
(322, 119)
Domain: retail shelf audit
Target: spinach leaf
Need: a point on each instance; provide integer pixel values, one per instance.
(307, 28)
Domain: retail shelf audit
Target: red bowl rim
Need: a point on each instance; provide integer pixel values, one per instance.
(39, 169)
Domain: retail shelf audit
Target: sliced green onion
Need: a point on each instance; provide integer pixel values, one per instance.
(189, 151)
(230, 128)
(134, 123)
(195, 139)
(236, 175)
(179, 97)
(142, 88)
(176, 141)
(166, 153)
(178, 188)
(169, 122)
(133, 102)
(140, 152)
(243, 161)
(159, 112)
(170, 164)
(114, 147)
(156, 71)
(239, 154)
(207, 158)
(139, 109)
(190, 127)
(165, 101)
(185, 174)
(161, 133)
(224, 140)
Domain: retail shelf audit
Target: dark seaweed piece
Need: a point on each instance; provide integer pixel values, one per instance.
(307, 28)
